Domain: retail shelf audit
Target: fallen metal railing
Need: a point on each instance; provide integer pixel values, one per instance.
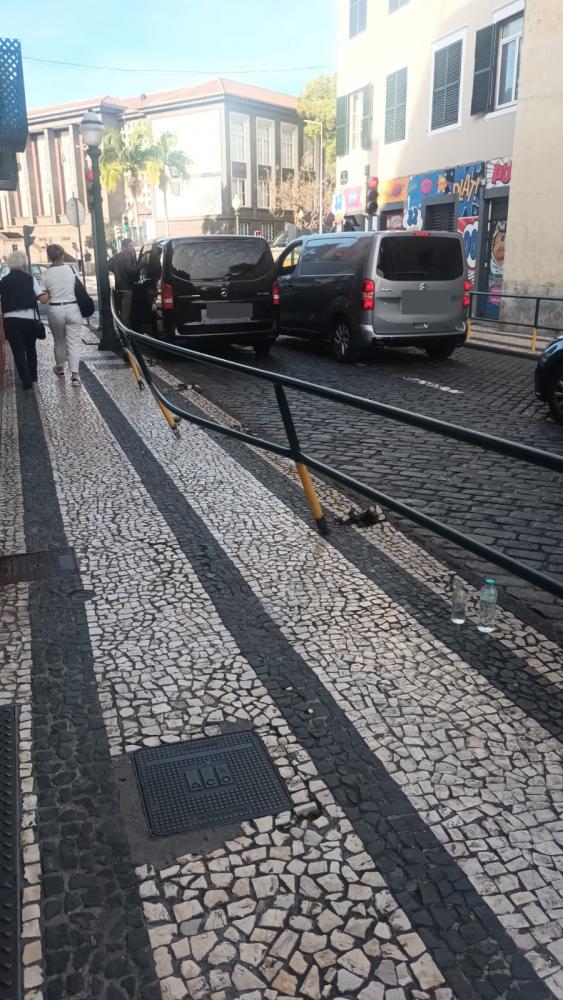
(533, 326)
(173, 412)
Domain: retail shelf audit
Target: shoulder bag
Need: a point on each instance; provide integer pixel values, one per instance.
(85, 302)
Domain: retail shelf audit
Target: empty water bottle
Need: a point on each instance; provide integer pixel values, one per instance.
(459, 600)
(487, 606)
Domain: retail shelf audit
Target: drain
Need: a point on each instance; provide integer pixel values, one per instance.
(200, 784)
(9, 857)
(36, 566)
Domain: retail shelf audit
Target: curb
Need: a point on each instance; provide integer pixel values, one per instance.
(514, 352)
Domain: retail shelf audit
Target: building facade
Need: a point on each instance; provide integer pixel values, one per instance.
(427, 102)
(240, 140)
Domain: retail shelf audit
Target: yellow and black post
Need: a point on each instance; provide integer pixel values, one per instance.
(302, 470)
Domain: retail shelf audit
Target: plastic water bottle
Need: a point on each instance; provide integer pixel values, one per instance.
(487, 606)
(459, 600)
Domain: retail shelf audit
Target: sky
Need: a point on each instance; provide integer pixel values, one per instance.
(278, 44)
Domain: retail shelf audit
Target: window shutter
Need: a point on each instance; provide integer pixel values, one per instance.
(396, 106)
(447, 77)
(342, 125)
(483, 73)
(367, 114)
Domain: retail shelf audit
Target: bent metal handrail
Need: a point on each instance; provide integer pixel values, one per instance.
(132, 342)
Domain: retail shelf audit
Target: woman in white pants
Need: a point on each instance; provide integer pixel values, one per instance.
(65, 318)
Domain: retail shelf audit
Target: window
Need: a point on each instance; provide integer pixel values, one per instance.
(264, 143)
(238, 139)
(358, 17)
(267, 230)
(497, 62)
(446, 85)
(396, 5)
(508, 57)
(263, 191)
(420, 258)
(396, 106)
(335, 254)
(355, 120)
(289, 260)
(239, 187)
(211, 260)
(288, 147)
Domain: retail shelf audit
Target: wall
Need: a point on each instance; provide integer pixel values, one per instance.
(199, 135)
(405, 38)
(534, 252)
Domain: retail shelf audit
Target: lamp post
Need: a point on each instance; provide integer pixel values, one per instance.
(311, 121)
(92, 132)
(237, 204)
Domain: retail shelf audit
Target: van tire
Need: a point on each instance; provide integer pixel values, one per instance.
(441, 350)
(343, 347)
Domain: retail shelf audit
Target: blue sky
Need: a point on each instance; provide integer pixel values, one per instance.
(212, 37)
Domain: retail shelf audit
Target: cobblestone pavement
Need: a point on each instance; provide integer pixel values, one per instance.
(421, 855)
(511, 505)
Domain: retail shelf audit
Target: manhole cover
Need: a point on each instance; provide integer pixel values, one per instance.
(205, 783)
(9, 857)
(36, 566)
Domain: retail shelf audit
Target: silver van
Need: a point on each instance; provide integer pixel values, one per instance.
(358, 290)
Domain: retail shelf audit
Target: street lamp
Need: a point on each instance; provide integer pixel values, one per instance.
(311, 121)
(92, 132)
(237, 205)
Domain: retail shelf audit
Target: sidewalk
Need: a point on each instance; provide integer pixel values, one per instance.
(416, 843)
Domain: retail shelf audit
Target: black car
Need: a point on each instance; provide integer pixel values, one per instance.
(212, 289)
(549, 378)
(357, 290)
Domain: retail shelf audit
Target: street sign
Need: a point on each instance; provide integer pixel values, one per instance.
(257, 232)
(338, 203)
(75, 212)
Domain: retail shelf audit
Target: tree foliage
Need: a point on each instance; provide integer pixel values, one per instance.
(317, 102)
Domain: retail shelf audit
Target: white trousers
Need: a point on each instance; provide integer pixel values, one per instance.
(66, 327)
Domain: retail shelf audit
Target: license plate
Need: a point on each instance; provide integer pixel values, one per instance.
(425, 303)
(228, 310)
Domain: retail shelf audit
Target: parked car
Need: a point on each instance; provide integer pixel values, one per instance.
(212, 289)
(549, 378)
(357, 290)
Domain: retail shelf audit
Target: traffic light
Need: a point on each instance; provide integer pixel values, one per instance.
(28, 239)
(90, 187)
(125, 225)
(371, 195)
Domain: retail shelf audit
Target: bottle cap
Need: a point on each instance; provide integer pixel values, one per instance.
(490, 582)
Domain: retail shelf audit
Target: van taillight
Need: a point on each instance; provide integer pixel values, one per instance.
(167, 296)
(467, 286)
(276, 293)
(368, 294)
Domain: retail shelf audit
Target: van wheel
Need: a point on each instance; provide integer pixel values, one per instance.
(342, 344)
(441, 350)
(555, 396)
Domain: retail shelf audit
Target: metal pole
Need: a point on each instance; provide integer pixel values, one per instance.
(321, 179)
(108, 339)
(236, 224)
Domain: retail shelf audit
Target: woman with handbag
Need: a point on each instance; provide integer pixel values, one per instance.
(19, 293)
(65, 317)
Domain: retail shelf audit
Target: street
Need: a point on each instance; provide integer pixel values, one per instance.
(500, 501)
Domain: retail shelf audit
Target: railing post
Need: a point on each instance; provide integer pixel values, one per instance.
(535, 326)
(302, 470)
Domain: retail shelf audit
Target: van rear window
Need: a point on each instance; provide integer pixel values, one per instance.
(420, 258)
(216, 260)
(333, 255)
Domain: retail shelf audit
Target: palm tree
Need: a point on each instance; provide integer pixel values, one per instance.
(125, 157)
(166, 163)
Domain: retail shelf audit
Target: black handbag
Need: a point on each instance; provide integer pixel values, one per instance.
(38, 327)
(84, 301)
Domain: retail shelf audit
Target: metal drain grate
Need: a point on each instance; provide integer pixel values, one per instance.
(198, 784)
(36, 566)
(9, 857)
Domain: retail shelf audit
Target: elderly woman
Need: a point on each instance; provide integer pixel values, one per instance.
(65, 318)
(19, 293)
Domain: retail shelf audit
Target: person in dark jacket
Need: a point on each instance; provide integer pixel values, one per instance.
(19, 293)
(123, 266)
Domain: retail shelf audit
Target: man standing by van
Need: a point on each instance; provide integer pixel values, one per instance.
(123, 266)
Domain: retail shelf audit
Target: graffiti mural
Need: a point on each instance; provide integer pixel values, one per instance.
(394, 190)
(469, 229)
(467, 186)
(499, 173)
(423, 186)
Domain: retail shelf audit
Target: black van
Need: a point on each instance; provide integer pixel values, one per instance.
(212, 288)
(357, 290)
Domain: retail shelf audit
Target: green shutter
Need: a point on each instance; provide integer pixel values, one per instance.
(484, 70)
(342, 125)
(367, 115)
